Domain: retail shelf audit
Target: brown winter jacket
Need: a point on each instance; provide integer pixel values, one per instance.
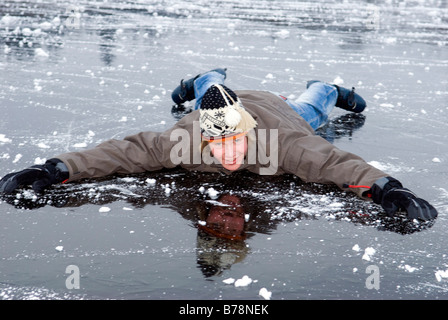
(294, 149)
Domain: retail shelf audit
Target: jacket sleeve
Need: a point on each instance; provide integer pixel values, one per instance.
(145, 151)
(313, 159)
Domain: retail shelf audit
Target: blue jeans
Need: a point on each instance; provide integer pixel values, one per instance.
(314, 105)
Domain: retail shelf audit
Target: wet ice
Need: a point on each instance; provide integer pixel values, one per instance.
(113, 76)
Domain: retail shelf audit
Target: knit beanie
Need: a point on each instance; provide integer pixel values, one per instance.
(222, 114)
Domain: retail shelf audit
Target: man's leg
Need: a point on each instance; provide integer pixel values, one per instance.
(204, 82)
(316, 103)
(187, 90)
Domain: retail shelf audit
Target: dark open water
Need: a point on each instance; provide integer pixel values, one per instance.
(74, 74)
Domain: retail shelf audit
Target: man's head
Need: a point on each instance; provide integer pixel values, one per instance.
(226, 220)
(224, 125)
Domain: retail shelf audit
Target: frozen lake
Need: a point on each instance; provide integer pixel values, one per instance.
(74, 74)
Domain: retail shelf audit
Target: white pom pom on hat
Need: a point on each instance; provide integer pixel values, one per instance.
(232, 117)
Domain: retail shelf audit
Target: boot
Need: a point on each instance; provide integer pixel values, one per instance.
(347, 99)
(185, 91)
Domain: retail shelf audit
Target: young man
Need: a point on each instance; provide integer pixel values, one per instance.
(250, 130)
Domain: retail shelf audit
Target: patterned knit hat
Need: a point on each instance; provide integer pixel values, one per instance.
(222, 114)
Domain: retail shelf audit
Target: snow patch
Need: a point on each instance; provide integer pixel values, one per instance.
(151, 181)
(243, 282)
(440, 274)
(43, 145)
(3, 139)
(368, 253)
(39, 52)
(229, 281)
(338, 81)
(40, 160)
(80, 145)
(17, 158)
(212, 193)
(265, 293)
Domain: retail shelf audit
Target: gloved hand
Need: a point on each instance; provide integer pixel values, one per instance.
(390, 194)
(40, 177)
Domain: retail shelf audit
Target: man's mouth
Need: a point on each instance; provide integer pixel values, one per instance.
(231, 161)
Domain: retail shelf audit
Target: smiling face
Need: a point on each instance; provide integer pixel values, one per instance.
(230, 153)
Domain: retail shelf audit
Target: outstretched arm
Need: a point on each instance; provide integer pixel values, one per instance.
(313, 159)
(146, 151)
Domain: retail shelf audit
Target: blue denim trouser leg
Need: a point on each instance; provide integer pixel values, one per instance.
(316, 103)
(204, 82)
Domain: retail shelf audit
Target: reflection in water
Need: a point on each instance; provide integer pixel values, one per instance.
(342, 126)
(248, 205)
(222, 231)
(225, 219)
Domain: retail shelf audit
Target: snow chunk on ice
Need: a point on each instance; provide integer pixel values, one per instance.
(408, 268)
(437, 160)
(39, 52)
(265, 293)
(338, 81)
(212, 193)
(282, 34)
(368, 253)
(151, 181)
(356, 247)
(229, 281)
(441, 274)
(17, 158)
(59, 248)
(243, 282)
(45, 25)
(43, 145)
(80, 145)
(39, 160)
(104, 209)
(3, 139)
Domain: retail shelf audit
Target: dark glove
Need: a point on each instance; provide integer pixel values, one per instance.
(390, 194)
(40, 177)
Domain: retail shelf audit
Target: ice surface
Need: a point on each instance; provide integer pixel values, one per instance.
(106, 70)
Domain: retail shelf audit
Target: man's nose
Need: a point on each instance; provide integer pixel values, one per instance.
(229, 147)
